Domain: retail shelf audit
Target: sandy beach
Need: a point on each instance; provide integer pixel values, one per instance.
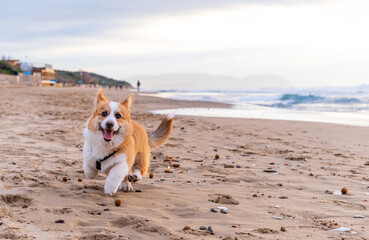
(276, 178)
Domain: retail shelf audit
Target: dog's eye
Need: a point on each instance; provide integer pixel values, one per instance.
(118, 116)
(104, 114)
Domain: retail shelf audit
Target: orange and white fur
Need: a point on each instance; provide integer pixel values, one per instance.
(110, 129)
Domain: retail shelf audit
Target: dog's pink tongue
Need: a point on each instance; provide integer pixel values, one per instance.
(108, 135)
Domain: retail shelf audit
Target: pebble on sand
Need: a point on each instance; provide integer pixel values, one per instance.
(118, 202)
(176, 165)
(202, 228)
(283, 229)
(210, 230)
(65, 179)
(168, 170)
(151, 175)
(344, 190)
(213, 210)
(59, 221)
(186, 228)
(79, 179)
(216, 156)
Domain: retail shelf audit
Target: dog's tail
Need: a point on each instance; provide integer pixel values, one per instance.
(161, 134)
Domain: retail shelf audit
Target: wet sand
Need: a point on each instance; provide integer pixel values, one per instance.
(261, 164)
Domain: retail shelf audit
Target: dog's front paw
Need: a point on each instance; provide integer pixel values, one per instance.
(126, 187)
(109, 189)
(135, 176)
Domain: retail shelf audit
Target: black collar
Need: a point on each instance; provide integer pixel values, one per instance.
(98, 162)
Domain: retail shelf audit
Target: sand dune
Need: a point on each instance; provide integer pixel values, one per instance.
(269, 174)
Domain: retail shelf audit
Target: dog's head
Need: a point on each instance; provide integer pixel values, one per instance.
(111, 118)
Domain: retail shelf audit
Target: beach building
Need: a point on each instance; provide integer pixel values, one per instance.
(47, 75)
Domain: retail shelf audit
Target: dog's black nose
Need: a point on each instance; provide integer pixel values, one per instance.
(109, 124)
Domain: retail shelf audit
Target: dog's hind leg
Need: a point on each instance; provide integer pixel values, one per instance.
(141, 165)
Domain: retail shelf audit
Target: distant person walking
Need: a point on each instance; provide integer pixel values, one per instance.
(138, 85)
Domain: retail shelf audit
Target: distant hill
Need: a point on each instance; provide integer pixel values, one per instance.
(210, 82)
(73, 77)
(7, 68)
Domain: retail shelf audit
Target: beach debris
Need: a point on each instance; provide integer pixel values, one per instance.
(213, 210)
(151, 175)
(277, 206)
(59, 221)
(138, 190)
(118, 202)
(202, 228)
(283, 229)
(279, 184)
(234, 226)
(106, 209)
(238, 166)
(223, 211)
(337, 193)
(222, 208)
(366, 163)
(79, 179)
(176, 165)
(147, 220)
(168, 159)
(65, 179)
(168, 170)
(84, 191)
(328, 192)
(210, 230)
(344, 190)
(283, 197)
(216, 156)
(270, 171)
(182, 128)
(228, 166)
(358, 216)
(186, 228)
(277, 217)
(341, 229)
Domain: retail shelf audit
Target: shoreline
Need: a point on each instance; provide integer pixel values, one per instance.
(261, 164)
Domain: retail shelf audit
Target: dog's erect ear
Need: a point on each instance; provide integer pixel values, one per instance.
(100, 97)
(128, 102)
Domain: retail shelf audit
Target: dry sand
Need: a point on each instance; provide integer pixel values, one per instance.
(41, 142)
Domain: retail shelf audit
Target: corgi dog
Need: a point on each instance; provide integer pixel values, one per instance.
(118, 146)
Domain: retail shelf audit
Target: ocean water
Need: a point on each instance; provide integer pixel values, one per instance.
(349, 105)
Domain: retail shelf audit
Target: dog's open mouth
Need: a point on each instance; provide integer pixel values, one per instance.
(108, 134)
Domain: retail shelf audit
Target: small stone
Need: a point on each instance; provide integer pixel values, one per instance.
(59, 221)
(213, 210)
(255, 195)
(106, 209)
(270, 171)
(228, 166)
(328, 192)
(162, 179)
(344, 190)
(216, 156)
(223, 211)
(283, 197)
(84, 191)
(182, 128)
(278, 218)
(168, 170)
(202, 228)
(147, 220)
(118, 202)
(358, 216)
(176, 165)
(65, 179)
(79, 179)
(186, 228)
(151, 175)
(311, 174)
(279, 185)
(234, 226)
(210, 230)
(277, 206)
(283, 229)
(366, 163)
(99, 213)
(138, 190)
(238, 166)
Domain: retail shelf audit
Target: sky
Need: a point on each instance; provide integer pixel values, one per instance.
(309, 43)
